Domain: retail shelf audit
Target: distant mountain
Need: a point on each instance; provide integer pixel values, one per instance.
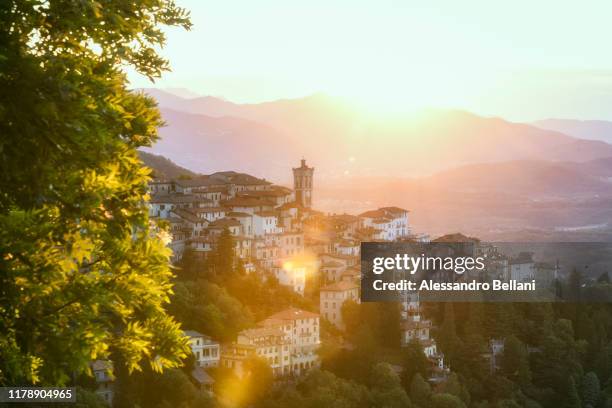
(182, 92)
(208, 144)
(529, 178)
(484, 199)
(266, 138)
(164, 168)
(583, 129)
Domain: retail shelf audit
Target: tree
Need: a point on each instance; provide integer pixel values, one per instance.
(387, 389)
(415, 362)
(420, 391)
(446, 401)
(571, 398)
(223, 256)
(591, 390)
(515, 361)
(85, 274)
(454, 387)
(258, 378)
(447, 336)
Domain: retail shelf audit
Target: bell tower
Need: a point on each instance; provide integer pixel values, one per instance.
(302, 184)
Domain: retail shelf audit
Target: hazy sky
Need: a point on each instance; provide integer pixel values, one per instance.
(522, 60)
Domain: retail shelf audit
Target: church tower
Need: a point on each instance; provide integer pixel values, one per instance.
(302, 184)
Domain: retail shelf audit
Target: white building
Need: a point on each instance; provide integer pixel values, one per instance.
(347, 247)
(302, 328)
(246, 220)
(266, 223)
(210, 214)
(205, 350)
(333, 296)
(389, 223)
(160, 205)
(331, 271)
(287, 340)
(268, 343)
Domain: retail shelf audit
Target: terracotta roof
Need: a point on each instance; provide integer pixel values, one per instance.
(173, 198)
(372, 214)
(457, 237)
(293, 314)
(261, 332)
(202, 376)
(275, 192)
(339, 256)
(239, 214)
(203, 181)
(208, 209)
(247, 202)
(224, 222)
(394, 210)
(187, 215)
(339, 287)
(384, 212)
(332, 264)
(215, 189)
(267, 213)
(348, 243)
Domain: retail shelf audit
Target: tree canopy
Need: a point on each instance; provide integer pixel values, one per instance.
(84, 273)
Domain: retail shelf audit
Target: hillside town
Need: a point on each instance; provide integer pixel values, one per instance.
(278, 234)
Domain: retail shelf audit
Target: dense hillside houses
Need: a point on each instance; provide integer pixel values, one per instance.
(275, 229)
(277, 234)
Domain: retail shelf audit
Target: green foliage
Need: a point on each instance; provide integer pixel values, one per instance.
(172, 388)
(84, 272)
(454, 387)
(447, 337)
(572, 400)
(386, 388)
(321, 389)
(420, 391)
(446, 401)
(515, 361)
(223, 258)
(414, 362)
(591, 390)
(208, 308)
